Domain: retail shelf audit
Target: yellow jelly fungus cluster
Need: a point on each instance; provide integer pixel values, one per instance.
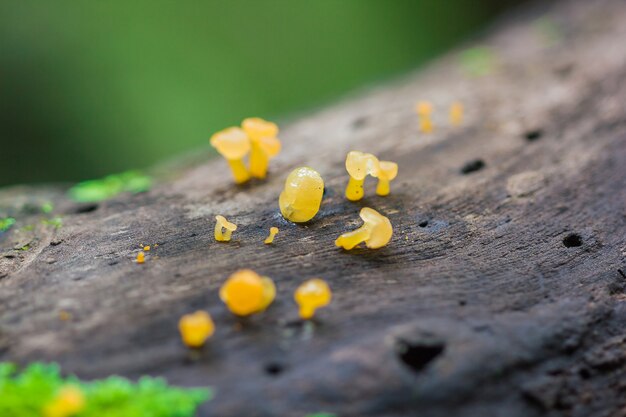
(245, 292)
(270, 238)
(301, 198)
(146, 248)
(256, 137)
(311, 295)
(376, 231)
(359, 165)
(424, 111)
(456, 113)
(223, 229)
(264, 144)
(196, 328)
(141, 258)
(68, 402)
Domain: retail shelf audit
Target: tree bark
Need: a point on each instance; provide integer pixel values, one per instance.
(502, 292)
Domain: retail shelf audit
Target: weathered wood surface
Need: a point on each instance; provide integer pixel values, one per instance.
(476, 308)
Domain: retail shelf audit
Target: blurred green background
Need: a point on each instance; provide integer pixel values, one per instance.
(88, 88)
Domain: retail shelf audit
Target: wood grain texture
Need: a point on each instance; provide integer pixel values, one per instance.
(482, 304)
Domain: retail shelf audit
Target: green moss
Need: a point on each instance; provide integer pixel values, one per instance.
(478, 61)
(108, 187)
(6, 223)
(55, 222)
(47, 207)
(24, 394)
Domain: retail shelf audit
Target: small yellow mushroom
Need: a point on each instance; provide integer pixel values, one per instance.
(359, 165)
(311, 295)
(264, 144)
(196, 328)
(68, 402)
(301, 198)
(270, 238)
(424, 110)
(146, 248)
(376, 231)
(233, 144)
(388, 172)
(141, 258)
(456, 114)
(245, 292)
(223, 229)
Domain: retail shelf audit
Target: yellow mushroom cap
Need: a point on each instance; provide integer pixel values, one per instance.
(388, 170)
(380, 228)
(232, 143)
(301, 198)
(196, 328)
(313, 293)
(245, 292)
(69, 401)
(360, 164)
(221, 220)
(257, 128)
(424, 108)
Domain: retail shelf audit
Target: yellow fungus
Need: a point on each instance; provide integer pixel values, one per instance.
(311, 295)
(388, 172)
(376, 231)
(233, 144)
(223, 229)
(68, 402)
(245, 292)
(270, 238)
(196, 328)
(264, 144)
(64, 315)
(456, 114)
(359, 165)
(301, 198)
(141, 258)
(146, 248)
(424, 110)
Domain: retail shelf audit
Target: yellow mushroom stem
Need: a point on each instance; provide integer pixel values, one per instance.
(351, 239)
(259, 161)
(239, 170)
(270, 238)
(223, 229)
(388, 172)
(354, 190)
(426, 124)
(376, 231)
(456, 114)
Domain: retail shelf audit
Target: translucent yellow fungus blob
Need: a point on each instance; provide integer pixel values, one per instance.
(68, 402)
(233, 144)
(141, 258)
(64, 315)
(196, 328)
(146, 248)
(264, 144)
(456, 114)
(223, 229)
(245, 292)
(270, 238)
(301, 198)
(424, 111)
(376, 231)
(388, 172)
(359, 165)
(311, 295)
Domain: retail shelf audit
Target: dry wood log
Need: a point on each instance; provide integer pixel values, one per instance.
(502, 292)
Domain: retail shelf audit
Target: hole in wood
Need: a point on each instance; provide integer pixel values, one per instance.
(274, 368)
(423, 223)
(472, 166)
(86, 208)
(572, 240)
(533, 135)
(418, 355)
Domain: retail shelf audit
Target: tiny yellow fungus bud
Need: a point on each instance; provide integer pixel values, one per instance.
(311, 295)
(233, 144)
(141, 258)
(223, 229)
(64, 315)
(245, 292)
(69, 401)
(301, 198)
(376, 231)
(388, 172)
(456, 114)
(196, 328)
(359, 165)
(424, 110)
(264, 144)
(146, 248)
(270, 238)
